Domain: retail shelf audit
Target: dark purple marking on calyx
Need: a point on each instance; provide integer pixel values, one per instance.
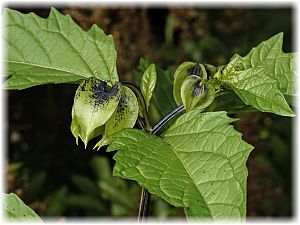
(101, 92)
(197, 89)
(122, 106)
(195, 70)
(208, 71)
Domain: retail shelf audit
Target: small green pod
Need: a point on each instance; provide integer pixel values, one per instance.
(191, 92)
(196, 94)
(181, 73)
(210, 95)
(125, 116)
(186, 69)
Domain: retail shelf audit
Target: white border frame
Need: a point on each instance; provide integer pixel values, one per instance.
(159, 3)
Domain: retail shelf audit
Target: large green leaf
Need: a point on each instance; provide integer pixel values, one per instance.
(15, 209)
(199, 164)
(54, 50)
(263, 77)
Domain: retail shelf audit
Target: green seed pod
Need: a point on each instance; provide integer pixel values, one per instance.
(94, 103)
(124, 116)
(191, 92)
(182, 72)
(209, 97)
(196, 93)
(186, 69)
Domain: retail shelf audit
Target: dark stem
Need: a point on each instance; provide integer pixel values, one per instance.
(145, 195)
(144, 207)
(166, 119)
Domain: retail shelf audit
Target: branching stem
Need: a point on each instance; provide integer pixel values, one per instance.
(144, 207)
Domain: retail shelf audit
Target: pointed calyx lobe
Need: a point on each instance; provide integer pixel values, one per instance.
(264, 77)
(206, 176)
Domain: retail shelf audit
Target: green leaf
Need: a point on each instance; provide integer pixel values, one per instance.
(125, 116)
(138, 73)
(148, 83)
(199, 164)
(263, 77)
(55, 50)
(278, 64)
(36, 186)
(15, 209)
(101, 168)
(230, 103)
(162, 101)
(94, 103)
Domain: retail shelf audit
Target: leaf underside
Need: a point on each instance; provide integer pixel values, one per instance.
(199, 164)
(264, 77)
(55, 50)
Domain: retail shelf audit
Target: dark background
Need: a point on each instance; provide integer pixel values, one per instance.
(57, 178)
